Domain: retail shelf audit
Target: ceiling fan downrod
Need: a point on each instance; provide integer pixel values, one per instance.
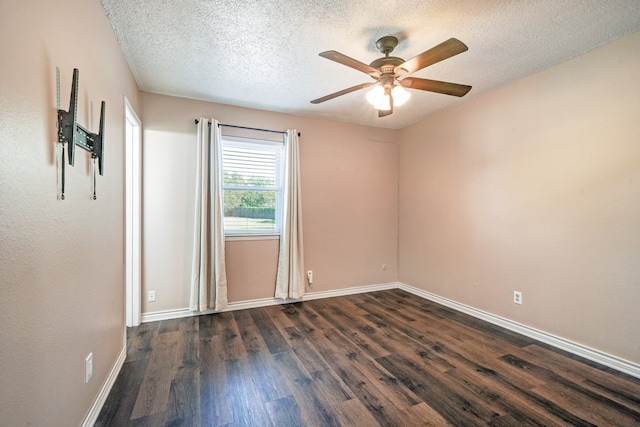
(387, 63)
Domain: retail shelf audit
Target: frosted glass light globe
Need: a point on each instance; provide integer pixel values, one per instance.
(374, 96)
(400, 96)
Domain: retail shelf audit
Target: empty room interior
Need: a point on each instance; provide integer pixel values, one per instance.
(450, 234)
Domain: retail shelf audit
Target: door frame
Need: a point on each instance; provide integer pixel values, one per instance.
(133, 218)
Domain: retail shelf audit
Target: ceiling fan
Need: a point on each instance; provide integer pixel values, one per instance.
(390, 74)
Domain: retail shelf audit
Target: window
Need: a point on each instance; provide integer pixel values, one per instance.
(252, 185)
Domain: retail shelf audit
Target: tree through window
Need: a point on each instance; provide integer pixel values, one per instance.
(252, 184)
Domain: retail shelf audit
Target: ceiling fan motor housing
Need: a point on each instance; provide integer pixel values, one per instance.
(387, 62)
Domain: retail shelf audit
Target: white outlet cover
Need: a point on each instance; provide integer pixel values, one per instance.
(517, 297)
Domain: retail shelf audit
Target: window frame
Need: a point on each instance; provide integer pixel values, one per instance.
(277, 147)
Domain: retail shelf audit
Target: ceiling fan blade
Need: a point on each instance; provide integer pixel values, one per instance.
(350, 62)
(438, 53)
(435, 86)
(383, 113)
(342, 92)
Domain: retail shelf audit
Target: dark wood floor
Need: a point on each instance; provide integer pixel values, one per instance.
(385, 358)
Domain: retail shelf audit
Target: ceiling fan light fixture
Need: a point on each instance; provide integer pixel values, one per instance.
(400, 96)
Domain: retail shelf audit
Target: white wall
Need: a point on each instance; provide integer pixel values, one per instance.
(61, 262)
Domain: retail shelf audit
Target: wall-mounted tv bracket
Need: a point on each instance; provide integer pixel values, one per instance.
(73, 134)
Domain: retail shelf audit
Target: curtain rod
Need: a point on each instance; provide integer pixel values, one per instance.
(248, 128)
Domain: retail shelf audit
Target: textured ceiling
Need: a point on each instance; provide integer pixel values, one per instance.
(264, 53)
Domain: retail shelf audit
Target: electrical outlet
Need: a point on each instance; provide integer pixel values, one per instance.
(151, 296)
(88, 368)
(310, 277)
(517, 297)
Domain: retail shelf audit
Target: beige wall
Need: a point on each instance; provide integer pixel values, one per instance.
(534, 187)
(349, 197)
(61, 262)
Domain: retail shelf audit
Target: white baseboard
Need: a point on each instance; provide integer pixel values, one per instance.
(264, 302)
(155, 316)
(94, 412)
(349, 291)
(185, 312)
(588, 353)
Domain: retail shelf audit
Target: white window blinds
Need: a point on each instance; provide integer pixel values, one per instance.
(252, 186)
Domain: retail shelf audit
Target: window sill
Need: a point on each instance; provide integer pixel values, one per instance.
(240, 237)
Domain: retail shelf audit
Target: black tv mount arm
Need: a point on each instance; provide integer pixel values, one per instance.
(70, 132)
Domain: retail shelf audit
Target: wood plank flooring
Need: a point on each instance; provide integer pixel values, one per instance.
(385, 358)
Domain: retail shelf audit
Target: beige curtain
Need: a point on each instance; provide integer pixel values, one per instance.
(208, 273)
(290, 279)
